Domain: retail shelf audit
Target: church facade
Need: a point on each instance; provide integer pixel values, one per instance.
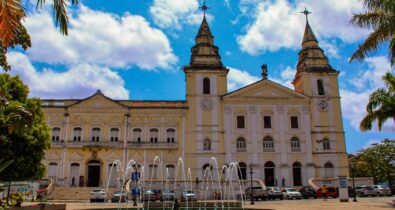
(288, 135)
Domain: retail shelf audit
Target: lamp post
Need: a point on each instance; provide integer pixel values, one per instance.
(353, 182)
(251, 172)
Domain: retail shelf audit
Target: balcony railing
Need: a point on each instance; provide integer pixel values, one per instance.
(57, 143)
(116, 144)
(241, 149)
(154, 145)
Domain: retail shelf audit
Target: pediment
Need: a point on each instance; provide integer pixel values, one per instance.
(98, 101)
(264, 89)
(75, 156)
(112, 157)
(52, 155)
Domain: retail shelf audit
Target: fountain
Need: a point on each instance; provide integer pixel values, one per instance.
(221, 188)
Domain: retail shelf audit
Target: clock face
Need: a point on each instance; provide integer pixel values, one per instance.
(322, 105)
(206, 104)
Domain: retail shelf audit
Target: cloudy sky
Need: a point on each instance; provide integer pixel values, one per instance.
(136, 49)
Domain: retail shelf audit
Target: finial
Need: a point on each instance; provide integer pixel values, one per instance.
(204, 8)
(306, 12)
(264, 71)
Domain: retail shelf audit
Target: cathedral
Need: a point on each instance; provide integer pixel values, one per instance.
(288, 135)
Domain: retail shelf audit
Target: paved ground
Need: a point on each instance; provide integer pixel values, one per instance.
(381, 203)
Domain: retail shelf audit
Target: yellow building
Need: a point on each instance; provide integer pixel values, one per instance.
(288, 135)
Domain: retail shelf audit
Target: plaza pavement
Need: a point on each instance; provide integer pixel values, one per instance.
(379, 203)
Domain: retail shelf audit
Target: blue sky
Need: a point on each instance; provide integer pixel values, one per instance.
(136, 49)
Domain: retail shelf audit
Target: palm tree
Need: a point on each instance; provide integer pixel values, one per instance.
(12, 31)
(381, 105)
(380, 16)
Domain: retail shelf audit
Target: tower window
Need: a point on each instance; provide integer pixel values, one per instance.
(267, 122)
(207, 145)
(326, 145)
(294, 122)
(240, 122)
(320, 87)
(206, 86)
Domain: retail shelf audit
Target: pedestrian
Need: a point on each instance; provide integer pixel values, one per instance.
(324, 191)
(72, 182)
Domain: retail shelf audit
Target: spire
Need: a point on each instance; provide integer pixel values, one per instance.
(205, 55)
(311, 56)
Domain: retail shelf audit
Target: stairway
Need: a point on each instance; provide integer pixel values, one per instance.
(75, 193)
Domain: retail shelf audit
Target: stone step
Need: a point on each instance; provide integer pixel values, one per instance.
(75, 193)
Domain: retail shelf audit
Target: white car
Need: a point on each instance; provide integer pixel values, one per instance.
(382, 190)
(98, 195)
(291, 193)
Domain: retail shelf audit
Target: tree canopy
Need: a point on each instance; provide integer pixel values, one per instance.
(379, 16)
(24, 134)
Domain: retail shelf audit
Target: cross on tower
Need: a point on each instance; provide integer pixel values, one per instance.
(306, 12)
(204, 8)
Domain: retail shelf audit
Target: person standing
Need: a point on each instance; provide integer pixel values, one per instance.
(324, 191)
(72, 182)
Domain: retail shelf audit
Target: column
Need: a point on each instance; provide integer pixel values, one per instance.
(228, 134)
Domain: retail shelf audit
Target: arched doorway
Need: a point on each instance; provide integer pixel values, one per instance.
(243, 171)
(74, 173)
(329, 172)
(297, 173)
(93, 173)
(269, 173)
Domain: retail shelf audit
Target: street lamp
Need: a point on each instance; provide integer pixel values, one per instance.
(251, 166)
(353, 182)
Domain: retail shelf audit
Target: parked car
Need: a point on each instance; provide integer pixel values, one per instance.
(392, 189)
(366, 191)
(98, 195)
(119, 196)
(167, 195)
(332, 192)
(291, 193)
(257, 193)
(149, 195)
(308, 192)
(382, 190)
(274, 192)
(188, 195)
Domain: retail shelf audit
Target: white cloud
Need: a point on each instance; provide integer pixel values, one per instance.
(239, 78)
(99, 38)
(174, 14)
(355, 99)
(288, 73)
(370, 143)
(278, 24)
(78, 81)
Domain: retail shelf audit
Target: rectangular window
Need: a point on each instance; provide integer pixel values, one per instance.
(267, 122)
(326, 145)
(294, 122)
(240, 122)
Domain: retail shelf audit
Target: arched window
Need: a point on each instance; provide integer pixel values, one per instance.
(171, 135)
(241, 145)
(153, 171)
(207, 145)
(326, 144)
(114, 134)
(297, 173)
(170, 171)
(154, 134)
(295, 144)
(206, 85)
(242, 173)
(328, 167)
(112, 175)
(207, 170)
(96, 132)
(52, 170)
(74, 174)
(320, 87)
(55, 134)
(269, 174)
(77, 134)
(268, 144)
(137, 135)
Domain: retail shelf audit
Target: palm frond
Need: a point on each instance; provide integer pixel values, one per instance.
(368, 19)
(11, 13)
(391, 49)
(371, 44)
(367, 121)
(60, 15)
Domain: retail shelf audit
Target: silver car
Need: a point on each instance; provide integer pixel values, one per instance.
(188, 195)
(367, 191)
(98, 195)
(382, 190)
(291, 193)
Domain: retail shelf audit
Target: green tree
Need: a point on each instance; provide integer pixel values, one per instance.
(379, 16)
(13, 32)
(25, 143)
(381, 105)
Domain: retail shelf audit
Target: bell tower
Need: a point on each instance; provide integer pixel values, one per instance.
(316, 79)
(206, 82)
